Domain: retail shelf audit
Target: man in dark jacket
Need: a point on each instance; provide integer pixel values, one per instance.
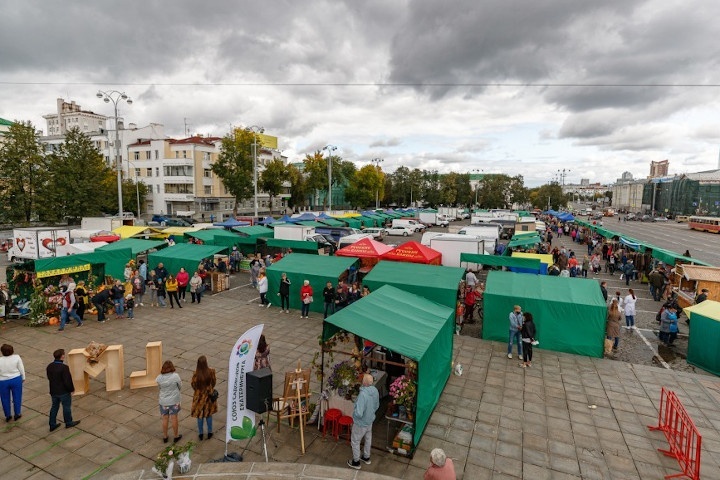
(657, 284)
(329, 299)
(61, 388)
(100, 300)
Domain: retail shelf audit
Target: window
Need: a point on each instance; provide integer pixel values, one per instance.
(158, 188)
(157, 155)
(137, 172)
(178, 188)
(177, 154)
(148, 172)
(157, 171)
(147, 155)
(178, 170)
(184, 154)
(207, 173)
(207, 156)
(136, 155)
(208, 190)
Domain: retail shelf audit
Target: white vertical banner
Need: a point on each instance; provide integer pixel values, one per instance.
(241, 421)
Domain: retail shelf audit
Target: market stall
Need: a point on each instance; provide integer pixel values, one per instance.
(367, 250)
(414, 252)
(436, 283)
(269, 246)
(569, 313)
(217, 237)
(514, 264)
(704, 336)
(99, 263)
(689, 280)
(136, 245)
(127, 231)
(318, 269)
(414, 327)
(186, 255)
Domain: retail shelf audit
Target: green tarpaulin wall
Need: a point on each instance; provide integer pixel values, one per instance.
(412, 326)
(186, 255)
(318, 269)
(703, 351)
(331, 222)
(569, 313)
(497, 261)
(255, 231)
(434, 282)
(311, 223)
(113, 260)
(136, 245)
(298, 246)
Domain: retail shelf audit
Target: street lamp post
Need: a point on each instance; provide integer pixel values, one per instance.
(255, 130)
(137, 187)
(115, 96)
(330, 149)
(477, 185)
(561, 176)
(377, 162)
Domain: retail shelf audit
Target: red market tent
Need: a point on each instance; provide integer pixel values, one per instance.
(414, 252)
(365, 248)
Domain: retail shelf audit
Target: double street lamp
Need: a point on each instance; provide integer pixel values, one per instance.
(377, 162)
(330, 149)
(255, 130)
(115, 96)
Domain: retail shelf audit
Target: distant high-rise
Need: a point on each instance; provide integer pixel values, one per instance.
(659, 169)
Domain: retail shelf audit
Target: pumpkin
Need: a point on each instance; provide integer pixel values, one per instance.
(53, 320)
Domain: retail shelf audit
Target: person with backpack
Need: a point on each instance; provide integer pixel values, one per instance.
(668, 326)
(69, 305)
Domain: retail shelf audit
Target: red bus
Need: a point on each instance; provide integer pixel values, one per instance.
(705, 224)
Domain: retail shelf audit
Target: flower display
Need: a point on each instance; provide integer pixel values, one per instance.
(170, 453)
(404, 390)
(344, 379)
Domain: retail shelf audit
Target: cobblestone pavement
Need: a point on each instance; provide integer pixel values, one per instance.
(496, 420)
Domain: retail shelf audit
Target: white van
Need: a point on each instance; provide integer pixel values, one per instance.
(350, 239)
(413, 225)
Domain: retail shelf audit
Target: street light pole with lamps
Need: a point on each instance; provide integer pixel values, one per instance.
(115, 96)
(477, 186)
(330, 149)
(137, 187)
(255, 130)
(377, 162)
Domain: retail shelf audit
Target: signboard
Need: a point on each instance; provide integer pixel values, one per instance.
(240, 423)
(63, 271)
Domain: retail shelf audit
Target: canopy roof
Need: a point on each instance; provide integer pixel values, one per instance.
(569, 313)
(353, 222)
(533, 264)
(267, 220)
(127, 231)
(331, 222)
(186, 255)
(410, 325)
(307, 216)
(136, 245)
(434, 282)
(311, 223)
(295, 245)
(255, 231)
(704, 336)
(179, 231)
(365, 248)
(231, 222)
(524, 240)
(671, 258)
(709, 308)
(414, 252)
(216, 236)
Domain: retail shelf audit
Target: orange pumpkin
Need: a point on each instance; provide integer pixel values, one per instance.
(53, 321)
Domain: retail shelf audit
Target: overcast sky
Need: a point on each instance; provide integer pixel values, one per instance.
(518, 87)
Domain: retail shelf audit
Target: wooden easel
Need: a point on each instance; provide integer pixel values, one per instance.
(296, 391)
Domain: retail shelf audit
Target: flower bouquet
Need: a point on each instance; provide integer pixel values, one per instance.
(344, 379)
(166, 459)
(403, 391)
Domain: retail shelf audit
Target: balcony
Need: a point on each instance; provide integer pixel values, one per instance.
(179, 197)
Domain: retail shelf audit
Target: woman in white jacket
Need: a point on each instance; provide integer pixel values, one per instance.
(629, 307)
(263, 289)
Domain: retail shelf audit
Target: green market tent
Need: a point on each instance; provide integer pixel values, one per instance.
(704, 337)
(671, 258)
(318, 269)
(136, 245)
(186, 255)
(366, 221)
(311, 223)
(412, 326)
(255, 231)
(434, 282)
(299, 246)
(111, 262)
(379, 221)
(526, 264)
(353, 222)
(569, 313)
(524, 240)
(217, 237)
(331, 222)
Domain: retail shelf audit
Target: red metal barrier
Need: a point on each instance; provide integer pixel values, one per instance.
(682, 435)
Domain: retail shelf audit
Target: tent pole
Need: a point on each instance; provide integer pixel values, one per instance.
(322, 367)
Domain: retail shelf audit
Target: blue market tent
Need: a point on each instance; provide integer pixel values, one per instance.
(230, 223)
(267, 220)
(307, 216)
(287, 219)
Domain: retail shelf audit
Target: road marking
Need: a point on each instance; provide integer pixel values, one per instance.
(655, 353)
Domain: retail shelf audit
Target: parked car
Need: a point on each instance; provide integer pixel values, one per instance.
(646, 218)
(630, 217)
(660, 219)
(377, 233)
(404, 231)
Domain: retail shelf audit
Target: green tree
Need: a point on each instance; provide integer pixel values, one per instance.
(24, 173)
(298, 187)
(272, 179)
(448, 189)
(78, 184)
(235, 164)
(430, 187)
(368, 182)
(465, 193)
(548, 195)
(130, 193)
(316, 176)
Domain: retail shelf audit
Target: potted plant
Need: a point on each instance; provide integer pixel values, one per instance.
(404, 391)
(169, 456)
(344, 379)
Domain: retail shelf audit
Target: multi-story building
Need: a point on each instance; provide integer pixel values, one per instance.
(659, 169)
(180, 179)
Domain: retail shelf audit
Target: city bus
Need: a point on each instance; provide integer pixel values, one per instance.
(705, 224)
